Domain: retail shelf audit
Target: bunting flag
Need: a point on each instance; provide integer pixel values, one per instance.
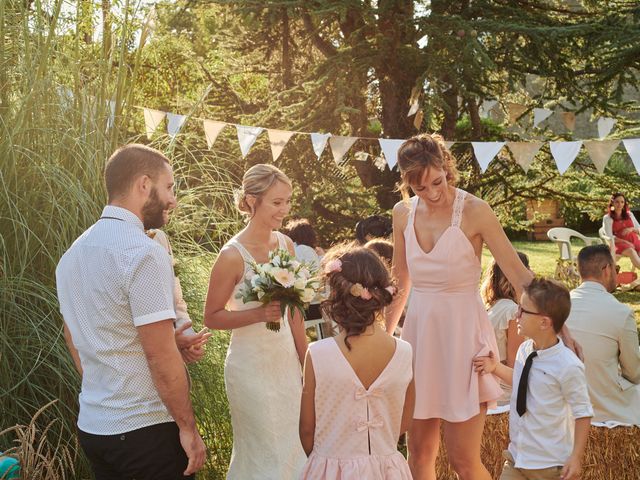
(569, 120)
(633, 149)
(605, 125)
(564, 153)
(417, 121)
(278, 139)
(152, 118)
(485, 152)
(319, 142)
(174, 123)
(540, 115)
(340, 146)
(390, 149)
(247, 137)
(486, 107)
(211, 131)
(449, 145)
(600, 152)
(515, 111)
(524, 152)
(414, 108)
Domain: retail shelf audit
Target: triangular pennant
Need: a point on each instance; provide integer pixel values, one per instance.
(605, 125)
(278, 139)
(600, 152)
(515, 111)
(152, 119)
(414, 108)
(449, 145)
(390, 150)
(174, 123)
(485, 152)
(340, 146)
(633, 149)
(247, 137)
(486, 107)
(569, 120)
(211, 131)
(524, 152)
(540, 115)
(417, 121)
(564, 153)
(319, 142)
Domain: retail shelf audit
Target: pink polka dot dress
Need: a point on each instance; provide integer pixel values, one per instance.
(357, 429)
(447, 324)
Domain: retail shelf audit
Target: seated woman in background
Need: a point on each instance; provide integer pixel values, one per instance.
(499, 299)
(620, 224)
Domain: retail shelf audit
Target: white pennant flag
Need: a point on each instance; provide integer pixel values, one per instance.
(390, 150)
(174, 123)
(524, 152)
(485, 152)
(449, 145)
(152, 119)
(278, 139)
(540, 115)
(605, 125)
(319, 142)
(486, 107)
(211, 131)
(340, 146)
(247, 137)
(414, 108)
(601, 151)
(564, 153)
(633, 148)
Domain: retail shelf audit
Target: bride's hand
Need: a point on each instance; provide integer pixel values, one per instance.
(272, 312)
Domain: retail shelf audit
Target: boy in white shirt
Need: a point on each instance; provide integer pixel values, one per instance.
(550, 391)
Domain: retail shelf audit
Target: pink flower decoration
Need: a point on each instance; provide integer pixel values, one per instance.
(334, 265)
(365, 294)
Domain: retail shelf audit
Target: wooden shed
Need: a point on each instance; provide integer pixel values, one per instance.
(547, 211)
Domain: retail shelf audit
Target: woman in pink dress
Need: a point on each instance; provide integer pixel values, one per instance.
(620, 224)
(358, 391)
(438, 239)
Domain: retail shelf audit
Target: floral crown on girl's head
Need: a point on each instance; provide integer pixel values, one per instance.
(357, 289)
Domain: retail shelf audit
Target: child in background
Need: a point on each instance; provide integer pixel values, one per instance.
(550, 401)
(499, 299)
(358, 393)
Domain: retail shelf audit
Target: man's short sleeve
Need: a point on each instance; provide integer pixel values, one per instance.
(151, 287)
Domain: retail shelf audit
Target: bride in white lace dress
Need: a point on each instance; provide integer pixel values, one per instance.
(263, 368)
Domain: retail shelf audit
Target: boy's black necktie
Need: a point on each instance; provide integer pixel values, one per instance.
(521, 400)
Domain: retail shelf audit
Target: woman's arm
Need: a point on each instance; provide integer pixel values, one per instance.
(226, 272)
(296, 320)
(409, 406)
(513, 342)
(399, 267)
(307, 425)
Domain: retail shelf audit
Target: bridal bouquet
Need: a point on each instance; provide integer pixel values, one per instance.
(282, 279)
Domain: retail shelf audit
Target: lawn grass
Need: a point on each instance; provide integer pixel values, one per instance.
(542, 259)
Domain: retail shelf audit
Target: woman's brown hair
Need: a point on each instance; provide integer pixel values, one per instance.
(496, 286)
(624, 215)
(358, 265)
(420, 153)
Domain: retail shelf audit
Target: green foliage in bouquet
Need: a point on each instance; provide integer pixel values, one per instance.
(283, 279)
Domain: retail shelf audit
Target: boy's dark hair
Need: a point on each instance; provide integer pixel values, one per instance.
(128, 163)
(383, 247)
(551, 298)
(362, 266)
(301, 232)
(375, 226)
(593, 259)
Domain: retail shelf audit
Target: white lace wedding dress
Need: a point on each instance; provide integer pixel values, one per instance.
(263, 379)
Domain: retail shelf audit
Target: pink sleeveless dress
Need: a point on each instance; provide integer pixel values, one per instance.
(447, 324)
(357, 429)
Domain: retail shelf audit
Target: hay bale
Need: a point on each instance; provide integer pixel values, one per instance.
(611, 454)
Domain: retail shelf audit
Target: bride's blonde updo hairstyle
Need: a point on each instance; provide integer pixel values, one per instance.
(420, 153)
(256, 181)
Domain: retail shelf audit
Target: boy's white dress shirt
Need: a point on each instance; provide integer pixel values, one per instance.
(556, 396)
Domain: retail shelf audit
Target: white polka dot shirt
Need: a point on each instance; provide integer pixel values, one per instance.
(112, 280)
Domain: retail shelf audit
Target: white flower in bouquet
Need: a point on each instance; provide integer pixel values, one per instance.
(282, 279)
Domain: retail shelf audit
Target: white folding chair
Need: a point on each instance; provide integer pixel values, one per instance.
(562, 237)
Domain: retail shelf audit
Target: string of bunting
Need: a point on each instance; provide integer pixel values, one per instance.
(563, 152)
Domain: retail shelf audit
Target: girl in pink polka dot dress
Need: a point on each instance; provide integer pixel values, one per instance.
(358, 394)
